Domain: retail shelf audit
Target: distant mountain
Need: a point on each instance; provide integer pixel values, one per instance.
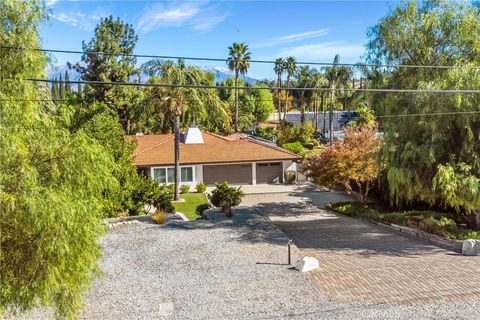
(221, 74)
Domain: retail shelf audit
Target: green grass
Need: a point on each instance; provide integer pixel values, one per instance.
(192, 204)
(437, 223)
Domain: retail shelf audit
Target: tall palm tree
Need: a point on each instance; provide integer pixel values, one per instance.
(335, 74)
(177, 99)
(280, 67)
(291, 68)
(238, 61)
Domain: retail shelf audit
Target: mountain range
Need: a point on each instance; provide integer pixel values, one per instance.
(221, 74)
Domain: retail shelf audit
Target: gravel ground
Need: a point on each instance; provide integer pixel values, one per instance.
(221, 269)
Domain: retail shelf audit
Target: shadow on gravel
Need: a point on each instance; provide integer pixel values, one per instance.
(247, 225)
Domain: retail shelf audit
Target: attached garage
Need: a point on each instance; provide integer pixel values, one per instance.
(232, 173)
(269, 172)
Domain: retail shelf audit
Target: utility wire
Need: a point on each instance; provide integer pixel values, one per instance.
(251, 61)
(195, 86)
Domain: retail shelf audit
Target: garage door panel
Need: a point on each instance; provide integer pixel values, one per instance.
(233, 174)
(269, 172)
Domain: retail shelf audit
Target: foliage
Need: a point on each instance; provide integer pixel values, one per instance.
(260, 103)
(295, 147)
(51, 204)
(226, 197)
(147, 193)
(192, 206)
(201, 187)
(289, 132)
(159, 217)
(266, 133)
(366, 118)
(430, 159)
(116, 37)
(184, 188)
(441, 224)
(354, 159)
(289, 177)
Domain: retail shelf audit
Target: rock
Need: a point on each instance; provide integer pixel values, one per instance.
(471, 247)
(307, 264)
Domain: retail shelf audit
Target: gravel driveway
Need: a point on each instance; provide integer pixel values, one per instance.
(220, 269)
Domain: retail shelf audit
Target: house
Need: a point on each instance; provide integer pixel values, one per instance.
(209, 158)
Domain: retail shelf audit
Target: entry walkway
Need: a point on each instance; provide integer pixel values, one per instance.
(361, 261)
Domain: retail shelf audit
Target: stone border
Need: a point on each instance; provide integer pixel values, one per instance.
(454, 245)
(112, 222)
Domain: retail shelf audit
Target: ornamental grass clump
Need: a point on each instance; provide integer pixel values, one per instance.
(160, 217)
(226, 197)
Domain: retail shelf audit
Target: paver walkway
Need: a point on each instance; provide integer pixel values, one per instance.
(362, 261)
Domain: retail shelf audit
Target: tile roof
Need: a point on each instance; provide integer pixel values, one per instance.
(159, 150)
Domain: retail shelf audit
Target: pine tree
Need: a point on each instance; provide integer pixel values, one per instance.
(61, 88)
(68, 88)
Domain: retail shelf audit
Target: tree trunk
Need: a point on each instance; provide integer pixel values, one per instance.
(236, 100)
(315, 113)
(324, 111)
(177, 155)
(302, 113)
(279, 102)
(474, 221)
(286, 100)
(330, 120)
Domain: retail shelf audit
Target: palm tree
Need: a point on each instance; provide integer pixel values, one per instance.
(335, 74)
(177, 99)
(280, 67)
(238, 61)
(291, 68)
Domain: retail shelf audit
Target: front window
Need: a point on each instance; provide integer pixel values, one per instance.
(167, 175)
(186, 174)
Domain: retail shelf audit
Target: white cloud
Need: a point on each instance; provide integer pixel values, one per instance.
(82, 20)
(195, 15)
(51, 2)
(323, 51)
(292, 38)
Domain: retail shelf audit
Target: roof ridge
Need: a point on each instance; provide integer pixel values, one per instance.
(153, 146)
(217, 136)
(271, 146)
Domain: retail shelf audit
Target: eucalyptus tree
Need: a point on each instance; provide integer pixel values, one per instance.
(238, 61)
(178, 98)
(279, 68)
(291, 68)
(433, 159)
(335, 74)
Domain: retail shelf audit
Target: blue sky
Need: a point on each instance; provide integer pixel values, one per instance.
(308, 30)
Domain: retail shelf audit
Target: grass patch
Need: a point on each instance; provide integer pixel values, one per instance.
(441, 224)
(194, 203)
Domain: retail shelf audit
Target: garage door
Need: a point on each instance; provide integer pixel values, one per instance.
(269, 172)
(233, 174)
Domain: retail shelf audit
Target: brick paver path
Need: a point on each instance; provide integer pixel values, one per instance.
(361, 261)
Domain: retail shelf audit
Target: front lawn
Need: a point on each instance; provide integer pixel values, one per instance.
(192, 205)
(437, 223)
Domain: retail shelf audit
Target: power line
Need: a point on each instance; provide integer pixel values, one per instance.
(194, 86)
(251, 61)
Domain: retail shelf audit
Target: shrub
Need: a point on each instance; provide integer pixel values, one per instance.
(226, 197)
(149, 193)
(201, 208)
(440, 224)
(295, 147)
(159, 217)
(266, 133)
(184, 188)
(201, 187)
(289, 177)
(170, 187)
(288, 132)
